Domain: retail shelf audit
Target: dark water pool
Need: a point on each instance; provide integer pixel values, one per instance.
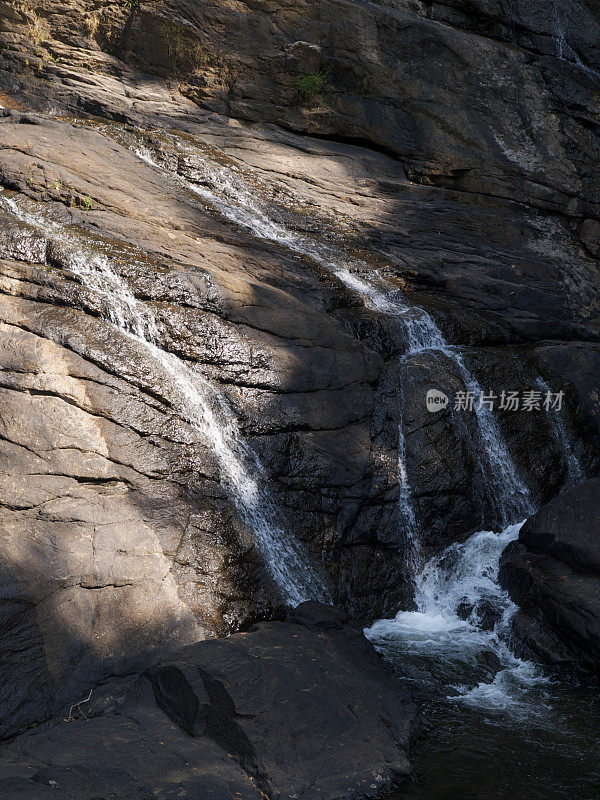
(552, 753)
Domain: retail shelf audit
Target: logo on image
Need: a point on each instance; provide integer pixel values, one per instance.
(436, 400)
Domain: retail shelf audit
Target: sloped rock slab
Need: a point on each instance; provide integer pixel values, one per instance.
(281, 711)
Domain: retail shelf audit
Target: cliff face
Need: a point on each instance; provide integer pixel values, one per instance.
(490, 98)
(452, 148)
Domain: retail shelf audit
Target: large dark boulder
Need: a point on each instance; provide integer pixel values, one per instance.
(553, 573)
(284, 710)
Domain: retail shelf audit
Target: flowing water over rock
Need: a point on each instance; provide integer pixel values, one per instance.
(199, 402)
(500, 725)
(458, 632)
(575, 472)
(455, 644)
(228, 193)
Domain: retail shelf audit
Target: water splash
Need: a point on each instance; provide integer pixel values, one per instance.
(199, 402)
(458, 633)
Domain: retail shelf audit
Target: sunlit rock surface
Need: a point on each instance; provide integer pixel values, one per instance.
(453, 151)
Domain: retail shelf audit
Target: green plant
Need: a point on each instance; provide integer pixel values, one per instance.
(310, 86)
(38, 30)
(87, 203)
(184, 53)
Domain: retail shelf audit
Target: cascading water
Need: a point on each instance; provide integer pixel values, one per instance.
(438, 586)
(460, 627)
(559, 29)
(200, 403)
(230, 195)
(406, 512)
(462, 614)
(461, 623)
(575, 472)
(454, 643)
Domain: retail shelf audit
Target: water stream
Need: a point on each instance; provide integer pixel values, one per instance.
(199, 402)
(575, 472)
(454, 646)
(228, 193)
(484, 701)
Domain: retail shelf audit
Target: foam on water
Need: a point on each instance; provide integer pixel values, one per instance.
(200, 403)
(460, 627)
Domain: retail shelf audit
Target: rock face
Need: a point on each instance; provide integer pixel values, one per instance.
(553, 573)
(283, 710)
(492, 98)
(450, 150)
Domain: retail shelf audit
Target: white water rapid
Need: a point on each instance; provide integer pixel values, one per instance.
(196, 400)
(456, 637)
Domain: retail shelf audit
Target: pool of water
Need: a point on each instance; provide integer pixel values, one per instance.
(551, 752)
(496, 727)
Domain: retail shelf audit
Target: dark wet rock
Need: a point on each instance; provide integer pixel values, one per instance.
(568, 528)
(489, 660)
(534, 641)
(318, 615)
(279, 711)
(553, 573)
(589, 231)
(485, 613)
(454, 150)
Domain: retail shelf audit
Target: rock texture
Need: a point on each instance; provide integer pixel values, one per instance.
(283, 710)
(553, 573)
(453, 148)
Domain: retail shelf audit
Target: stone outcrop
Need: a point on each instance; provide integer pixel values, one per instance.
(282, 710)
(452, 148)
(553, 573)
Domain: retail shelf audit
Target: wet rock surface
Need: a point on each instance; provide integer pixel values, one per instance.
(553, 573)
(452, 149)
(281, 710)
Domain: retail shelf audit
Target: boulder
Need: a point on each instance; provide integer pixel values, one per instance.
(553, 573)
(283, 710)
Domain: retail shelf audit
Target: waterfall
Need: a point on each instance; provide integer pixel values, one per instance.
(406, 512)
(463, 616)
(559, 29)
(200, 403)
(575, 472)
(458, 634)
(229, 194)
